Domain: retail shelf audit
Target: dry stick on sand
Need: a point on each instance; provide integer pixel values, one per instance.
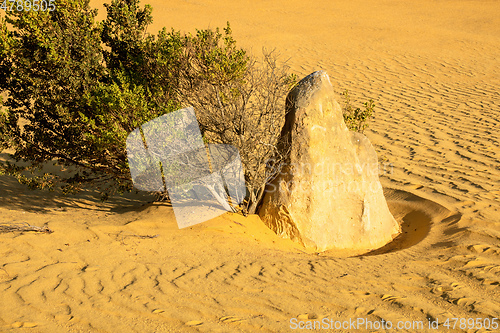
(142, 236)
(134, 235)
(4, 227)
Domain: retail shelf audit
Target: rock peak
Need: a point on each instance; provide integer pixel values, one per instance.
(328, 195)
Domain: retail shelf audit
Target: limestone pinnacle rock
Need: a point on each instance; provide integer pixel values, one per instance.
(328, 194)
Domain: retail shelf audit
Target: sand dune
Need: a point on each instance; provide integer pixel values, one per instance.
(433, 70)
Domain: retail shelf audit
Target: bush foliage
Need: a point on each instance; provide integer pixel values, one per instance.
(356, 119)
(76, 88)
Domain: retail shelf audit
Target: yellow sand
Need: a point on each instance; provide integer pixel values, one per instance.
(433, 68)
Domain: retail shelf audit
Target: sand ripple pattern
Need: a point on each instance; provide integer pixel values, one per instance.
(437, 124)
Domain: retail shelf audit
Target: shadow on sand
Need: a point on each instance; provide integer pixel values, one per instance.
(16, 196)
(416, 216)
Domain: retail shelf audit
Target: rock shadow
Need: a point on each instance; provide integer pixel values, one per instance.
(416, 216)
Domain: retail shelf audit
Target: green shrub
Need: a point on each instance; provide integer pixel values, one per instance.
(77, 87)
(356, 119)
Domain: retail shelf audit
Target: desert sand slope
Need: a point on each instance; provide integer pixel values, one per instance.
(433, 69)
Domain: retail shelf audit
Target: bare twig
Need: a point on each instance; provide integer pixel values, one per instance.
(248, 113)
(134, 235)
(12, 227)
(142, 236)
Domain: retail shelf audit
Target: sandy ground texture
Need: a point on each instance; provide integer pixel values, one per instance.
(433, 68)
